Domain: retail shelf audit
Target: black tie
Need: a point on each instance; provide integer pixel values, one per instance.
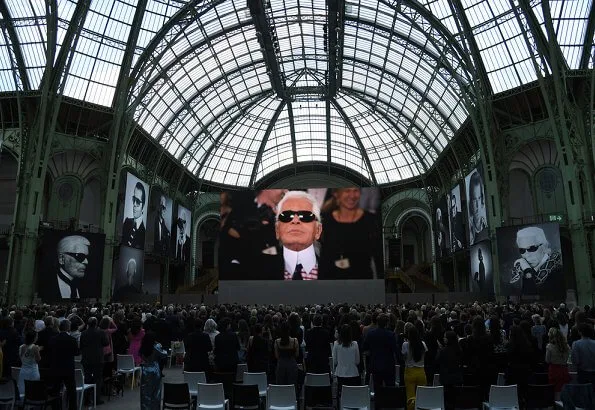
(70, 283)
(297, 273)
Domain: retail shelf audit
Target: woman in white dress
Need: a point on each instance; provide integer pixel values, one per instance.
(29, 354)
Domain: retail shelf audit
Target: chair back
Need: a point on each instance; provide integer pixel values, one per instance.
(193, 378)
(125, 362)
(355, 396)
(7, 390)
(15, 372)
(281, 396)
(245, 396)
(79, 379)
(211, 395)
(429, 397)
(35, 391)
(390, 398)
(468, 397)
(540, 396)
(318, 396)
(259, 379)
(317, 379)
(175, 395)
(505, 397)
(241, 369)
(501, 379)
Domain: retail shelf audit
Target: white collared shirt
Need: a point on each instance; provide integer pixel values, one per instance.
(65, 287)
(307, 258)
(138, 222)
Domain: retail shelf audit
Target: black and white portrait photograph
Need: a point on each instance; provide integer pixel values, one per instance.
(134, 225)
(477, 216)
(441, 231)
(481, 268)
(455, 213)
(530, 261)
(70, 265)
(161, 218)
(182, 242)
(128, 273)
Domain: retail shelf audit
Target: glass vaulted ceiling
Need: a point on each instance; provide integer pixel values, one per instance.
(236, 93)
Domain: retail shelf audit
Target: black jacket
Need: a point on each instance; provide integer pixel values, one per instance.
(319, 350)
(92, 342)
(63, 348)
(197, 345)
(226, 350)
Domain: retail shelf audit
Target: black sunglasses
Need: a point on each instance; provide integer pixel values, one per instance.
(530, 249)
(136, 201)
(80, 257)
(304, 216)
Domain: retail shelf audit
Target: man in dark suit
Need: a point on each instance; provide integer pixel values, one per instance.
(133, 230)
(162, 235)
(92, 343)
(457, 231)
(73, 252)
(43, 340)
(382, 345)
(226, 348)
(63, 348)
(318, 346)
(183, 242)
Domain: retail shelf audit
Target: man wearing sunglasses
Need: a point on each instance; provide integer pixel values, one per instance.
(162, 235)
(297, 228)
(133, 230)
(72, 260)
(539, 269)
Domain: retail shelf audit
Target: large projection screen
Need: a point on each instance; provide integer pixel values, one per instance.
(455, 213)
(134, 224)
(477, 216)
(160, 217)
(530, 260)
(345, 243)
(70, 265)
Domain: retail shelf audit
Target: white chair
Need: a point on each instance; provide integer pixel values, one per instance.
(79, 366)
(429, 397)
(355, 397)
(436, 380)
(501, 379)
(502, 397)
(317, 379)
(81, 387)
(126, 366)
(7, 394)
(211, 396)
(242, 368)
(281, 397)
(259, 379)
(176, 351)
(330, 364)
(192, 379)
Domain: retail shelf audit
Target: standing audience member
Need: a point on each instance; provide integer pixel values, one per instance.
(64, 348)
(286, 352)
(93, 340)
(43, 339)
(583, 354)
(382, 345)
(318, 346)
(478, 355)
(449, 364)
(520, 359)
(108, 326)
(135, 337)
(346, 359)
(29, 354)
(152, 354)
(226, 348)
(556, 355)
(413, 350)
(10, 341)
(259, 351)
(197, 345)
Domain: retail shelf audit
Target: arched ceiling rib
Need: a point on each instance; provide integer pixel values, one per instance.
(236, 90)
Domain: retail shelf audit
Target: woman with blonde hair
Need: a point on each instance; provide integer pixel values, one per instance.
(556, 355)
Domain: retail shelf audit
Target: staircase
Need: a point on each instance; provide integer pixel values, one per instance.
(421, 275)
(401, 281)
(206, 283)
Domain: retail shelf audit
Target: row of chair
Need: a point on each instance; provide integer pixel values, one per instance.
(36, 391)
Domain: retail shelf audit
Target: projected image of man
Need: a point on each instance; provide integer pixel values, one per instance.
(298, 227)
(539, 268)
(478, 226)
(133, 230)
(73, 252)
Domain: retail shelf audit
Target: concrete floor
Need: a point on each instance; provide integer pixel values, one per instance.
(131, 399)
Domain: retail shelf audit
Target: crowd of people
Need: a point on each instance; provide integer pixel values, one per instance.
(457, 342)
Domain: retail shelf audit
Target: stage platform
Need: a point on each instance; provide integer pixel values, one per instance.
(302, 292)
